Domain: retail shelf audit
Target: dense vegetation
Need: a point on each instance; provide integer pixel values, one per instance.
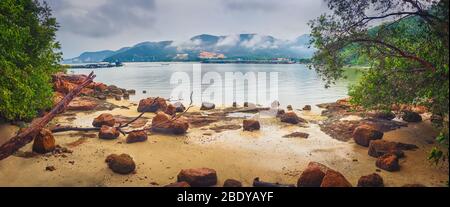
(28, 57)
(407, 53)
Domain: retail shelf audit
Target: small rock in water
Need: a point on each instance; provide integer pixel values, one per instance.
(388, 162)
(44, 142)
(207, 106)
(410, 116)
(137, 136)
(232, 183)
(104, 119)
(179, 185)
(251, 125)
(107, 132)
(122, 164)
(131, 91)
(234, 104)
(372, 180)
(297, 134)
(144, 91)
(200, 177)
(307, 108)
(365, 133)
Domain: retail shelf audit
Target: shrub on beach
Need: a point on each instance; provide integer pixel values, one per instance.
(28, 56)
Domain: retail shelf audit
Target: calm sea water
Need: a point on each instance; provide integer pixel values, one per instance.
(297, 85)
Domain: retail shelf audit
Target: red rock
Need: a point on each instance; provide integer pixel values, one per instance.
(171, 109)
(178, 185)
(251, 125)
(364, 134)
(82, 104)
(312, 176)
(100, 87)
(152, 105)
(122, 164)
(201, 177)
(44, 142)
(164, 123)
(372, 180)
(378, 148)
(104, 119)
(137, 136)
(207, 106)
(107, 132)
(334, 179)
(291, 117)
(388, 162)
(232, 183)
(410, 116)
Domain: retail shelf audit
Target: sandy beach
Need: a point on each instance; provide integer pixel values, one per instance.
(235, 154)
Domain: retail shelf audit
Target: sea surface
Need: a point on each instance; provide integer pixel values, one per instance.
(297, 84)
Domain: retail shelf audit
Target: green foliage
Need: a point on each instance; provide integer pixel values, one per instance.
(28, 57)
(407, 53)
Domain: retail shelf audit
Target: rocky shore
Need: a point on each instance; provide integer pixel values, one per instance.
(105, 140)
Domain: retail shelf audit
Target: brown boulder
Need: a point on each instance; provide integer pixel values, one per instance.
(312, 176)
(378, 148)
(386, 115)
(152, 105)
(165, 124)
(388, 162)
(372, 180)
(201, 177)
(334, 179)
(122, 164)
(44, 142)
(171, 109)
(307, 108)
(291, 117)
(137, 136)
(179, 107)
(289, 108)
(104, 119)
(410, 116)
(207, 106)
(107, 132)
(178, 185)
(232, 183)
(364, 134)
(82, 104)
(251, 125)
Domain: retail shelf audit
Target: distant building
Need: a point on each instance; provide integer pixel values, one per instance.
(211, 55)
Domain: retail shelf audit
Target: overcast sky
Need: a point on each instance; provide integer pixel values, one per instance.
(91, 25)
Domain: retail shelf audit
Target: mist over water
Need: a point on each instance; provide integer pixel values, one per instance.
(297, 85)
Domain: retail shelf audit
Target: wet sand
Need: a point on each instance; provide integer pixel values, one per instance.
(232, 153)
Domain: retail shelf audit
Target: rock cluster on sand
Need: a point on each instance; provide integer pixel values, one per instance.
(164, 123)
(44, 142)
(104, 119)
(232, 183)
(251, 125)
(365, 133)
(154, 105)
(307, 108)
(200, 177)
(107, 132)
(137, 136)
(122, 164)
(372, 180)
(319, 175)
(378, 148)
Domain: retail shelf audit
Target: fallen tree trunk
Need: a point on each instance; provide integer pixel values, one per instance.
(27, 135)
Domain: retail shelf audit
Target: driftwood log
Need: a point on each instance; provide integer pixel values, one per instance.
(26, 136)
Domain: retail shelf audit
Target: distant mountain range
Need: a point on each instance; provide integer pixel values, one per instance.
(242, 46)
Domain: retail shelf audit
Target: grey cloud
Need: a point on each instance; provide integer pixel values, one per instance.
(104, 18)
(255, 5)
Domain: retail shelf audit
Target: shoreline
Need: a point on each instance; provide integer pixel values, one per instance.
(263, 154)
